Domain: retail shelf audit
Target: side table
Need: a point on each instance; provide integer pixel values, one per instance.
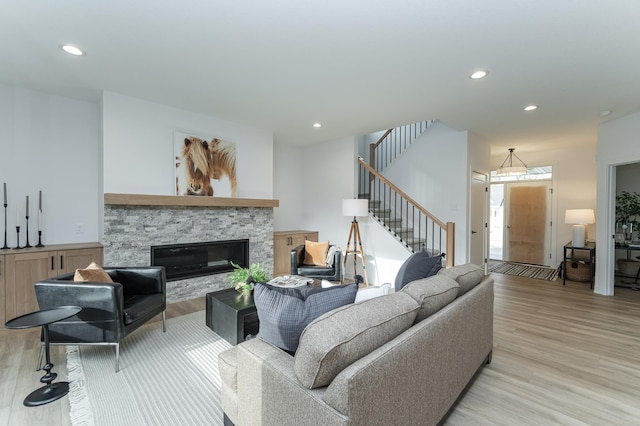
(231, 315)
(50, 391)
(571, 254)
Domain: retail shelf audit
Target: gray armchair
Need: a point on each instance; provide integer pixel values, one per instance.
(329, 272)
(110, 311)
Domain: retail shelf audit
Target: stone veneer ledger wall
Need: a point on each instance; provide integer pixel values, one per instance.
(130, 231)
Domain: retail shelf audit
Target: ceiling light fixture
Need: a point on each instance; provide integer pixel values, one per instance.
(479, 74)
(605, 113)
(317, 125)
(530, 107)
(72, 50)
(508, 169)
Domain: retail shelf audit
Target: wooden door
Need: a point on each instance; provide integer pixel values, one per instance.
(528, 233)
(3, 298)
(23, 271)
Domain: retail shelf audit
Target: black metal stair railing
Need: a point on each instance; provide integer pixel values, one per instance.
(394, 142)
(403, 217)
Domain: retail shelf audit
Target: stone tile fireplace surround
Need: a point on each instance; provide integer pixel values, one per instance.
(133, 223)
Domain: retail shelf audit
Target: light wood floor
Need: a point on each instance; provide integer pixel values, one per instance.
(562, 355)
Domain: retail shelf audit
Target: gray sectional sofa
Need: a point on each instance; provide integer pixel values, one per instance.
(399, 359)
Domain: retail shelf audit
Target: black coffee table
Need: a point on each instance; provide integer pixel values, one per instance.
(50, 391)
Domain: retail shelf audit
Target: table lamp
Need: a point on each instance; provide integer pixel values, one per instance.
(579, 218)
(355, 207)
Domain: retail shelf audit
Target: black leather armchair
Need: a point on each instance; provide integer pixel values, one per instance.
(330, 273)
(110, 311)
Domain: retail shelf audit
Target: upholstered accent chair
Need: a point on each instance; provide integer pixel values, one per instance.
(330, 272)
(110, 311)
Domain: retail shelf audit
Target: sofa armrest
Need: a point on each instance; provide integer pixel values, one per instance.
(297, 258)
(267, 380)
(140, 280)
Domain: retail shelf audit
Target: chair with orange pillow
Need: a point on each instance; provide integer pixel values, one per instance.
(114, 301)
(318, 260)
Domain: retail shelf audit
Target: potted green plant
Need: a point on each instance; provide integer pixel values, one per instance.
(242, 279)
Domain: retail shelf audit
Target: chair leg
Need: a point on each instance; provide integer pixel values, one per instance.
(39, 366)
(117, 347)
(164, 322)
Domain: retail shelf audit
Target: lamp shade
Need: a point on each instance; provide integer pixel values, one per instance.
(355, 207)
(579, 217)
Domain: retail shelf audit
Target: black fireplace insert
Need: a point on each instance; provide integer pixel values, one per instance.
(199, 259)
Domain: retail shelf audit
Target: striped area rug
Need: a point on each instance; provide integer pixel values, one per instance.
(165, 378)
(522, 270)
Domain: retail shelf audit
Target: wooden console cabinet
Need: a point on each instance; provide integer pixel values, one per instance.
(283, 243)
(20, 269)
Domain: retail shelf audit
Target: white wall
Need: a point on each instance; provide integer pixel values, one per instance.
(574, 186)
(138, 147)
(288, 181)
(438, 178)
(617, 144)
(49, 143)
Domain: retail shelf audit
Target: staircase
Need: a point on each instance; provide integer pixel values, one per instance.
(411, 224)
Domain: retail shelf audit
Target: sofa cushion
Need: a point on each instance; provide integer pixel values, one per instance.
(140, 306)
(92, 273)
(417, 266)
(340, 337)
(432, 294)
(285, 312)
(467, 275)
(316, 253)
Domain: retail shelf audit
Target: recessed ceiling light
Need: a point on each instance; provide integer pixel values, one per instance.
(72, 50)
(530, 107)
(479, 74)
(605, 113)
(317, 125)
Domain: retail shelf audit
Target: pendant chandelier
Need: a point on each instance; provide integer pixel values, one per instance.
(507, 168)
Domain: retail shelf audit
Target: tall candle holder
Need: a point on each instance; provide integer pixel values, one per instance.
(5, 246)
(17, 238)
(39, 239)
(27, 231)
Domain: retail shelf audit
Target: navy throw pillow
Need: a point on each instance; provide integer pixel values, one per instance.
(285, 312)
(417, 266)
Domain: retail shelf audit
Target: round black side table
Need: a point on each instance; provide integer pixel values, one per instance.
(50, 391)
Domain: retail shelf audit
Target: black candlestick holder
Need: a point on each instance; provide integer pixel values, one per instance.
(39, 239)
(17, 238)
(5, 246)
(27, 231)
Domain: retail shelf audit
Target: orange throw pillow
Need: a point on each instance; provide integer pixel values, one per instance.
(92, 273)
(316, 253)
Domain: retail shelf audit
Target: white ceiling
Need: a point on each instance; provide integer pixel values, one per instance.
(357, 66)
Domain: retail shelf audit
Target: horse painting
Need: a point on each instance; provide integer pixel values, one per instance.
(198, 162)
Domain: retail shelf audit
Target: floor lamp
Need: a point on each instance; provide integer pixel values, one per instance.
(355, 207)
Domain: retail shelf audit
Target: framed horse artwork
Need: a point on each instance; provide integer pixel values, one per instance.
(204, 166)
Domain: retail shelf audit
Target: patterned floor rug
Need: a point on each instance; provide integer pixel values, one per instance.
(164, 379)
(522, 270)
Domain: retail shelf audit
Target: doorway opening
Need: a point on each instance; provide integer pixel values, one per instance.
(520, 217)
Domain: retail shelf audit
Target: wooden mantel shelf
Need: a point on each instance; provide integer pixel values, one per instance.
(185, 200)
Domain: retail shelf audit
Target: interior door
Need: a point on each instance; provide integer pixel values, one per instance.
(528, 222)
(478, 214)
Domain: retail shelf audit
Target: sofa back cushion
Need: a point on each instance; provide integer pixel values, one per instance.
(285, 312)
(467, 275)
(337, 339)
(432, 293)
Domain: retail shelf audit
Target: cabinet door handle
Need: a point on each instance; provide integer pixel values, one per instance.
(52, 265)
(61, 262)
